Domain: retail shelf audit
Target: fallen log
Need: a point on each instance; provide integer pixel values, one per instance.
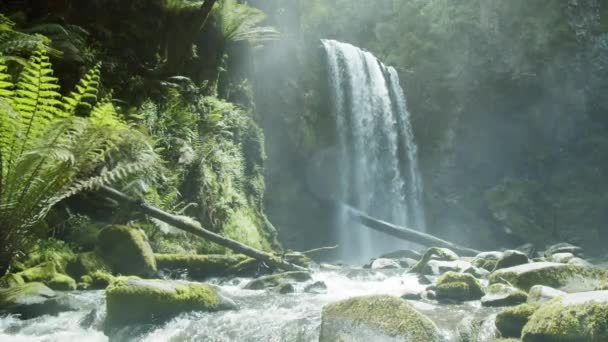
(194, 227)
(406, 233)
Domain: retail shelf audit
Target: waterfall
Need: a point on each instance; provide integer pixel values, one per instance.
(378, 168)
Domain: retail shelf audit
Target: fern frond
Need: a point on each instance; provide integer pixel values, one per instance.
(84, 97)
(240, 22)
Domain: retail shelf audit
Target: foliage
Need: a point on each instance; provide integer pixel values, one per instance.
(240, 22)
(48, 152)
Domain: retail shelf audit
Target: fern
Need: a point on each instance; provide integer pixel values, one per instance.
(240, 22)
(53, 147)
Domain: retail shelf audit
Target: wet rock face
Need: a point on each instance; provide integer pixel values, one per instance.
(458, 287)
(569, 278)
(137, 301)
(375, 318)
(31, 300)
(572, 317)
(503, 295)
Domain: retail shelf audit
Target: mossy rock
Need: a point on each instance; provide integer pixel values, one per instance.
(503, 295)
(138, 301)
(375, 318)
(98, 280)
(433, 253)
(86, 263)
(201, 267)
(572, 317)
(511, 321)
(127, 251)
(541, 294)
(47, 274)
(11, 280)
(511, 258)
(458, 287)
(30, 300)
(278, 279)
(569, 278)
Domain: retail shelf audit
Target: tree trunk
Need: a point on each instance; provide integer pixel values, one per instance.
(406, 233)
(194, 227)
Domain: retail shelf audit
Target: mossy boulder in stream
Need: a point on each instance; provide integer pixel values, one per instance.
(86, 263)
(511, 321)
(572, 317)
(433, 253)
(127, 251)
(375, 318)
(503, 295)
(138, 301)
(98, 280)
(47, 274)
(30, 300)
(11, 280)
(569, 278)
(278, 279)
(458, 287)
(207, 266)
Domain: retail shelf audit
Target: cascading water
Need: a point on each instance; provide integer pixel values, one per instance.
(378, 155)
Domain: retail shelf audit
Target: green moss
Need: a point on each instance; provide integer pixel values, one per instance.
(11, 280)
(127, 251)
(556, 321)
(278, 279)
(98, 280)
(458, 286)
(511, 321)
(391, 315)
(433, 253)
(503, 295)
(553, 275)
(86, 263)
(206, 266)
(145, 301)
(48, 275)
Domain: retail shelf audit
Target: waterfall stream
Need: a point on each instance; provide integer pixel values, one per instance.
(378, 165)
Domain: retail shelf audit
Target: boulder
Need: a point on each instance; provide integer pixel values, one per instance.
(138, 301)
(541, 294)
(375, 318)
(579, 262)
(511, 321)
(407, 262)
(439, 267)
(47, 274)
(572, 317)
(433, 253)
(86, 263)
(402, 254)
(568, 278)
(98, 280)
(563, 247)
(562, 257)
(201, 267)
(11, 280)
(477, 272)
(318, 287)
(487, 260)
(384, 264)
(503, 295)
(511, 258)
(127, 251)
(278, 279)
(411, 294)
(286, 288)
(31, 300)
(458, 287)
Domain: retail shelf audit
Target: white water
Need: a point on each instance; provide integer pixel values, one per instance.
(378, 155)
(262, 315)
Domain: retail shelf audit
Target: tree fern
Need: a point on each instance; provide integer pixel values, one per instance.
(52, 147)
(240, 22)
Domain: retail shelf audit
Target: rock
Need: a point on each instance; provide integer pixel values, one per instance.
(503, 295)
(528, 249)
(127, 251)
(568, 278)
(541, 294)
(476, 271)
(511, 258)
(375, 318)
(86, 263)
(433, 253)
(275, 280)
(425, 279)
(318, 287)
(383, 264)
(286, 288)
(487, 260)
(297, 258)
(47, 274)
(201, 267)
(429, 295)
(458, 287)
(412, 295)
(563, 247)
(402, 254)
(31, 300)
(11, 280)
(579, 262)
(407, 262)
(511, 321)
(96, 281)
(562, 257)
(439, 267)
(138, 301)
(572, 317)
